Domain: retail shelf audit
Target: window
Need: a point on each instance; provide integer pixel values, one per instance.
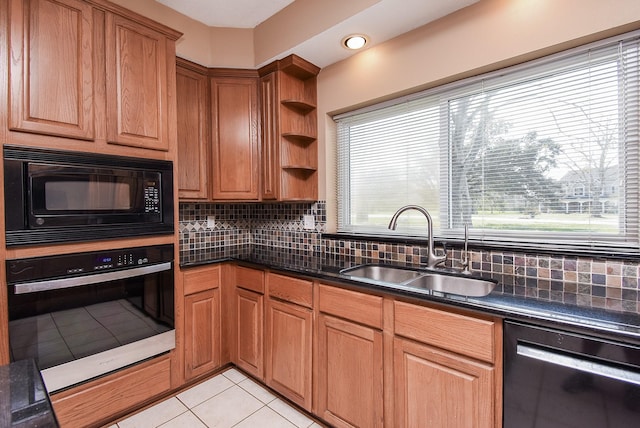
(525, 154)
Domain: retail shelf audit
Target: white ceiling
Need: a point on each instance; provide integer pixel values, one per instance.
(228, 13)
(382, 21)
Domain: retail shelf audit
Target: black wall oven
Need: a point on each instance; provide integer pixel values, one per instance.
(60, 196)
(84, 315)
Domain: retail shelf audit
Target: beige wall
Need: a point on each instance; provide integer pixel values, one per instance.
(482, 37)
(208, 46)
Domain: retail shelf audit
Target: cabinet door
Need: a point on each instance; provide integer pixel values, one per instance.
(234, 124)
(192, 94)
(202, 332)
(137, 84)
(288, 356)
(435, 388)
(350, 373)
(51, 68)
(270, 137)
(249, 312)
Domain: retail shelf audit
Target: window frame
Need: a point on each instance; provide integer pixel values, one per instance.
(627, 242)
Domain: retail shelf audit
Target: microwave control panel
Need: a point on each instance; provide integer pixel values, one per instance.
(151, 197)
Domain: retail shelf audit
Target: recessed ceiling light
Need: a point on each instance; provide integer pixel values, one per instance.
(354, 41)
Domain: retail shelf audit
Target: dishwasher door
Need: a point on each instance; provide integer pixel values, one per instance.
(563, 379)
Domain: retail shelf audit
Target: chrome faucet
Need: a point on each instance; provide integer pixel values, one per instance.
(465, 252)
(432, 259)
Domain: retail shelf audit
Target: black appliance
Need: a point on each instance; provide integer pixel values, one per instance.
(61, 196)
(83, 315)
(555, 378)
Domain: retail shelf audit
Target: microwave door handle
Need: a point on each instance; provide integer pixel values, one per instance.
(583, 365)
(56, 284)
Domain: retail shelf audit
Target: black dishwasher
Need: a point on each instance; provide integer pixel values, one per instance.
(556, 378)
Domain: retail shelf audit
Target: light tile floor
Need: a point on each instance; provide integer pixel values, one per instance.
(229, 399)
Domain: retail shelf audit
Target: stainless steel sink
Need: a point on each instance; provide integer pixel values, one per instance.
(464, 286)
(395, 275)
(423, 281)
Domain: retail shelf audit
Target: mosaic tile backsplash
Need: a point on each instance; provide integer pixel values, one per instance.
(218, 230)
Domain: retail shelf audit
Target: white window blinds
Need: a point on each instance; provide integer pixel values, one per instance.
(545, 153)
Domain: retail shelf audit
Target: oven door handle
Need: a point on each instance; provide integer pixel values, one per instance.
(77, 281)
(583, 365)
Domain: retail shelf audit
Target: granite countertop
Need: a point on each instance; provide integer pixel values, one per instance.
(621, 326)
(24, 401)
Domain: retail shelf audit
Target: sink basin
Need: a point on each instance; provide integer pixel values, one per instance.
(474, 287)
(423, 281)
(396, 275)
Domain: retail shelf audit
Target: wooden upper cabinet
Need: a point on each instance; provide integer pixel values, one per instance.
(289, 137)
(51, 68)
(137, 84)
(234, 124)
(192, 96)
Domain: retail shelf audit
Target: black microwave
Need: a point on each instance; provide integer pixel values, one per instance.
(54, 196)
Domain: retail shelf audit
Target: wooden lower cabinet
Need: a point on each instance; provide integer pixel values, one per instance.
(436, 388)
(202, 321)
(95, 403)
(248, 313)
(350, 373)
(202, 326)
(289, 337)
(349, 383)
(249, 321)
(446, 368)
(288, 351)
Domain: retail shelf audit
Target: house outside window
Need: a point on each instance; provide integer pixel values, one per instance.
(544, 152)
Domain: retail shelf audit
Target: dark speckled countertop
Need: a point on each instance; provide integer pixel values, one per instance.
(600, 322)
(24, 400)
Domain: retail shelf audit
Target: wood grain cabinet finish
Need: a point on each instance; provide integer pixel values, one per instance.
(96, 402)
(90, 71)
(445, 368)
(350, 390)
(234, 144)
(289, 329)
(192, 96)
(437, 388)
(289, 123)
(137, 80)
(202, 312)
(249, 354)
(51, 76)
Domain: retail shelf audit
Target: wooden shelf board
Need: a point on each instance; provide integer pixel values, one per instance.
(300, 106)
(299, 138)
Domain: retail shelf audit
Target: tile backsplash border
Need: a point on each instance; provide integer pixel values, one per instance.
(236, 227)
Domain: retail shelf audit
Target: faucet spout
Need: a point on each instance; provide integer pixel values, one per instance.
(432, 259)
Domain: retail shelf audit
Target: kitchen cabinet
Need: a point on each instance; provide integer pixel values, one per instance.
(138, 62)
(444, 368)
(350, 390)
(192, 96)
(249, 310)
(234, 143)
(202, 320)
(288, 342)
(90, 75)
(289, 122)
(51, 77)
(95, 403)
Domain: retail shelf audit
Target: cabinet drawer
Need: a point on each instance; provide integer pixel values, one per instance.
(250, 279)
(359, 307)
(100, 400)
(201, 279)
(462, 334)
(294, 290)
